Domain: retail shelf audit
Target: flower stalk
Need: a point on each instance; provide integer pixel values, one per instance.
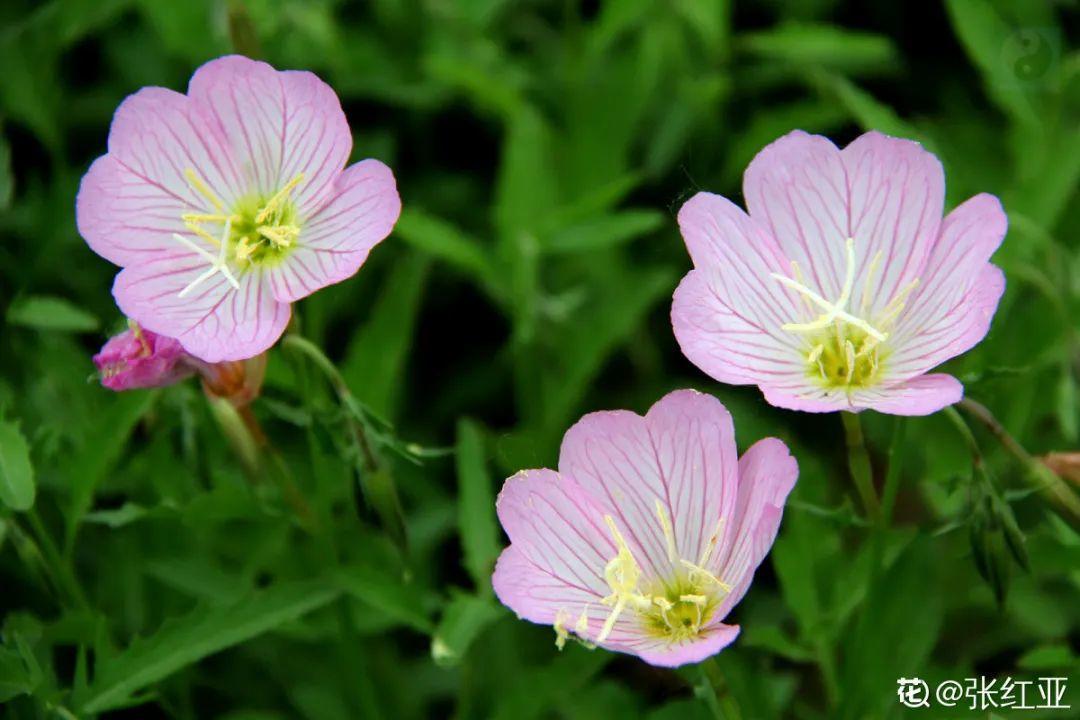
(1062, 499)
(859, 465)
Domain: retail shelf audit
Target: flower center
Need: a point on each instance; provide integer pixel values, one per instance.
(675, 608)
(843, 350)
(259, 231)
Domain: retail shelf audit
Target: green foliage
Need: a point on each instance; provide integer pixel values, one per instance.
(16, 473)
(328, 554)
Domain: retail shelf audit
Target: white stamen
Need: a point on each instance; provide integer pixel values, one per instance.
(217, 264)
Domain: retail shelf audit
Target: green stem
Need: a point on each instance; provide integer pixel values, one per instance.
(61, 571)
(892, 475)
(718, 697)
(376, 480)
(1062, 498)
(859, 464)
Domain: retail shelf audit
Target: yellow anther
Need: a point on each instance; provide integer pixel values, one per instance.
(700, 576)
(272, 203)
(699, 600)
(815, 353)
(245, 249)
(561, 633)
(280, 235)
(202, 188)
(663, 603)
(581, 627)
(622, 574)
(669, 533)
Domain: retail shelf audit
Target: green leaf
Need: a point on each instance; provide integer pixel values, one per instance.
(44, 312)
(464, 619)
(20, 673)
(867, 111)
(610, 321)
(985, 36)
(16, 472)
(476, 505)
(444, 241)
(7, 179)
(374, 366)
(201, 633)
(604, 231)
(827, 46)
(101, 450)
(1048, 657)
(538, 688)
(890, 626)
(381, 590)
(526, 189)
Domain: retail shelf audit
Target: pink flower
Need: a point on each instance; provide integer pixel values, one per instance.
(225, 205)
(138, 358)
(648, 534)
(844, 285)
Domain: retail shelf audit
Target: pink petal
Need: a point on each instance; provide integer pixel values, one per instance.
(131, 200)
(124, 218)
(767, 473)
(335, 241)
(896, 195)
(806, 397)
(722, 343)
(277, 124)
(681, 453)
(921, 395)
(951, 310)
(661, 653)
(883, 192)
(559, 548)
(214, 322)
(727, 313)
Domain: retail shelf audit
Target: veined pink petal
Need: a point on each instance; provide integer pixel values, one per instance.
(896, 194)
(656, 586)
(131, 201)
(807, 397)
(876, 288)
(214, 322)
(767, 473)
(335, 241)
(885, 193)
(951, 310)
(559, 546)
(682, 454)
(657, 652)
(727, 313)
(920, 395)
(278, 124)
(796, 189)
(724, 344)
(123, 217)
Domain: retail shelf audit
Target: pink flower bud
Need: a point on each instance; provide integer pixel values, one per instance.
(138, 358)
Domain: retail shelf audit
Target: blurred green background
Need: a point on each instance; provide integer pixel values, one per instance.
(541, 149)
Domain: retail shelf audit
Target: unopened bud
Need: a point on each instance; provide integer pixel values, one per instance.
(1066, 465)
(138, 358)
